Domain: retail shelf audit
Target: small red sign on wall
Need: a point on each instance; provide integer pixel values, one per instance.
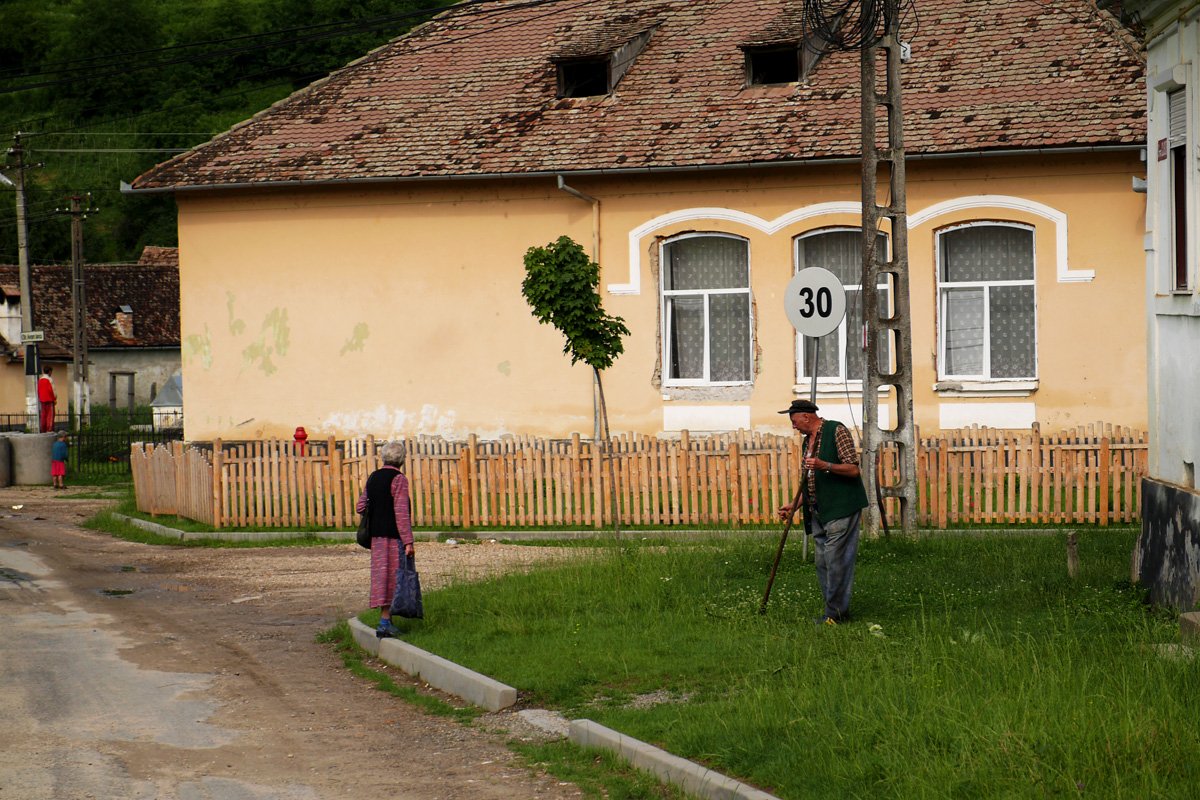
(1163, 149)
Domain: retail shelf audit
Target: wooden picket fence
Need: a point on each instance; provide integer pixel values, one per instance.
(974, 475)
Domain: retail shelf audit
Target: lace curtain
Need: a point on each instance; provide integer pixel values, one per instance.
(696, 270)
(840, 252)
(983, 255)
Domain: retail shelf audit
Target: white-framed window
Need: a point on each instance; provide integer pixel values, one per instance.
(1178, 161)
(987, 304)
(706, 310)
(841, 358)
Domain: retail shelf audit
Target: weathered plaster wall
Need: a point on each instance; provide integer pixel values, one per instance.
(1166, 558)
(151, 368)
(398, 310)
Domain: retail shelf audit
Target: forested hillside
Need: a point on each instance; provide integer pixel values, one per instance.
(101, 90)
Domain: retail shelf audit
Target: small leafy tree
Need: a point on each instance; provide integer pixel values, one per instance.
(561, 286)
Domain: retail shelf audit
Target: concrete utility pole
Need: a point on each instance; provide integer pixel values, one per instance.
(31, 401)
(896, 328)
(83, 403)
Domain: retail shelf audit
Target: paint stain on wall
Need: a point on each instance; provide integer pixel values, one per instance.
(273, 340)
(357, 339)
(236, 326)
(505, 368)
(196, 347)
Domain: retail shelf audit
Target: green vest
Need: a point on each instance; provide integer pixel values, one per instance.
(837, 496)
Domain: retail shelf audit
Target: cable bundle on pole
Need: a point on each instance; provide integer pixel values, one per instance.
(850, 24)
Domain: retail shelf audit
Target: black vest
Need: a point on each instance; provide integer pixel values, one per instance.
(380, 503)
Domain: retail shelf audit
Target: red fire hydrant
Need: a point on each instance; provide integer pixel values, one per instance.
(301, 437)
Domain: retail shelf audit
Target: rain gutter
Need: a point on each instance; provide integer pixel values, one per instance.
(582, 173)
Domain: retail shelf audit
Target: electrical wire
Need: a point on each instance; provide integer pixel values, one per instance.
(350, 28)
(380, 21)
(852, 24)
(302, 78)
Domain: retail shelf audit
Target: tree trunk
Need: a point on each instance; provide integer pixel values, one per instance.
(607, 451)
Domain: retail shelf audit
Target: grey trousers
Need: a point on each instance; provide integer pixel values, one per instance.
(836, 550)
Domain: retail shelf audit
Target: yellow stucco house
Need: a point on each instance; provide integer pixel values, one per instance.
(351, 258)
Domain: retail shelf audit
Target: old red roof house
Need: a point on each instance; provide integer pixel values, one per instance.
(351, 258)
(132, 329)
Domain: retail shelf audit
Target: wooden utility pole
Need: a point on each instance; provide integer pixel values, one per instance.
(888, 334)
(83, 404)
(31, 378)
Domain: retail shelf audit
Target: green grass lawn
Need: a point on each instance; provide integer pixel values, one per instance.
(991, 674)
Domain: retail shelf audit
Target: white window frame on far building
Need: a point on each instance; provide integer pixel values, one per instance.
(986, 288)
(705, 296)
(845, 337)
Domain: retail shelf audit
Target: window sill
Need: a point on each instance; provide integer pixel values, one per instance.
(985, 388)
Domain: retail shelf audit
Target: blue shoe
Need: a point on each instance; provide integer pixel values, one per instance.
(387, 630)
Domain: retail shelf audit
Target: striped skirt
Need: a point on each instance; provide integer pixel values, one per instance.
(385, 560)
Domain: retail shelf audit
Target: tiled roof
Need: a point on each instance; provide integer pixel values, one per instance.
(474, 93)
(150, 289)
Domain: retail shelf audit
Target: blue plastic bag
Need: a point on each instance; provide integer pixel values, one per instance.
(407, 600)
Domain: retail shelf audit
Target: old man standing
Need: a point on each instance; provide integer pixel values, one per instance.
(834, 499)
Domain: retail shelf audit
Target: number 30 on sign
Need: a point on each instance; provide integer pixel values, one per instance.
(815, 302)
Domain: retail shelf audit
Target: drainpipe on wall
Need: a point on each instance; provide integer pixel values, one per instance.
(595, 257)
(595, 215)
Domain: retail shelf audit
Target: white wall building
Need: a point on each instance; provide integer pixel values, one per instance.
(1167, 559)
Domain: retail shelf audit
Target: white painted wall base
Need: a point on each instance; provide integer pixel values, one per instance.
(991, 415)
(705, 418)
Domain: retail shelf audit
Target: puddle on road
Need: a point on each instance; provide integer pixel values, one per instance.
(128, 568)
(178, 587)
(14, 544)
(116, 592)
(12, 575)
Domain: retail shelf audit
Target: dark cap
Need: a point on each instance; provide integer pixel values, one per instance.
(800, 407)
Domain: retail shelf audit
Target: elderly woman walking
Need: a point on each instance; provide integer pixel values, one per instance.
(386, 494)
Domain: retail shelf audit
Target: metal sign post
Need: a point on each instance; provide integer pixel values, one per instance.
(815, 304)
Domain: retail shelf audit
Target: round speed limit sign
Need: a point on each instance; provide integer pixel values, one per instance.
(815, 302)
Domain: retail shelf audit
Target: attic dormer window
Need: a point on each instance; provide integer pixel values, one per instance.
(583, 78)
(596, 68)
(767, 65)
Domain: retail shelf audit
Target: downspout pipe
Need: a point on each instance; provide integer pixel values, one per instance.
(562, 184)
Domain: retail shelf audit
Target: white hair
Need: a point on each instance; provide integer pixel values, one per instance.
(393, 453)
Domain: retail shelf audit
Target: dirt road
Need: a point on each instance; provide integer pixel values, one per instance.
(133, 671)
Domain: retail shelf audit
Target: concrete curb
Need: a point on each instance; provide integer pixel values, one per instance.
(669, 769)
(422, 536)
(1189, 627)
(232, 536)
(435, 670)
(524, 536)
(494, 696)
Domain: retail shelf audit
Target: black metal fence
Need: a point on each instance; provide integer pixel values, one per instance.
(102, 448)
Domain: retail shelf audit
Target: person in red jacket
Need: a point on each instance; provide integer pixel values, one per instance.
(46, 400)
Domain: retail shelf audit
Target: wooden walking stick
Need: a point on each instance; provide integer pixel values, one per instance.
(787, 526)
(797, 502)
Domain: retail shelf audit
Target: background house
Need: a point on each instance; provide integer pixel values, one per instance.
(132, 329)
(351, 258)
(1168, 555)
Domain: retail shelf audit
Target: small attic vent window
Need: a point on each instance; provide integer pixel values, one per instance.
(598, 72)
(583, 78)
(772, 65)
